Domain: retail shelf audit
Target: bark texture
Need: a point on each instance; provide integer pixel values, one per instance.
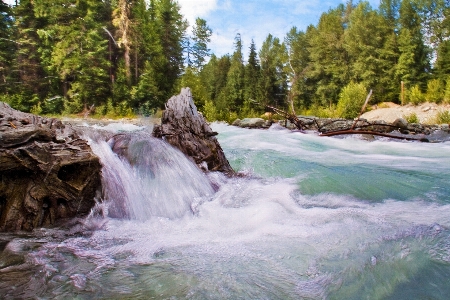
(46, 171)
(185, 128)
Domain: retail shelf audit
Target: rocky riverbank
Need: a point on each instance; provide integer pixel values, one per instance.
(47, 172)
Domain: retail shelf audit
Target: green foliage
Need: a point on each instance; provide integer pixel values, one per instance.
(415, 95)
(210, 111)
(351, 100)
(411, 118)
(201, 37)
(323, 112)
(435, 91)
(446, 98)
(443, 117)
(127, 56)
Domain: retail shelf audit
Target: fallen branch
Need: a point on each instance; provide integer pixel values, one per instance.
(352, 131)
(362, 109)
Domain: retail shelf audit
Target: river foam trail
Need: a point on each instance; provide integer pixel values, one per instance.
(315, 218)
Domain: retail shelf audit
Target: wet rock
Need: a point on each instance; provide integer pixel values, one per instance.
(185, 128)
(236, 122)
(252, 123)
(47, 172)
(400, 123)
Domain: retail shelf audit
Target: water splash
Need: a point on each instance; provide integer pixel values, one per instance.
(152, 180)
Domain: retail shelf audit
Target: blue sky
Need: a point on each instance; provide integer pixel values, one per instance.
(255, 19)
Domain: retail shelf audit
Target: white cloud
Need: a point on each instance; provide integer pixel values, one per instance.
(191, 9)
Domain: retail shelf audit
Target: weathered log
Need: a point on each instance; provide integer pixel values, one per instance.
(185, 128)
(46, 171)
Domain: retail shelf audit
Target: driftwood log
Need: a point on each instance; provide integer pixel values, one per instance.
(185, 128)
(334, 127)
(47, 172)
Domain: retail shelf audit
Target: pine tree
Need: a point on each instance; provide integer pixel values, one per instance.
(365, 39)
(329, 67)
(201, 37)
(298, 60)
(172, 32)
(233, 93)
(413, 65)
(78, 50)
(252, 72)
(273, 83)
(7, 46)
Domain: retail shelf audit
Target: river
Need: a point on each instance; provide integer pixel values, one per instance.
(313, 218)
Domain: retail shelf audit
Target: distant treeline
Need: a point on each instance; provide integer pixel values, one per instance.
(124, 57)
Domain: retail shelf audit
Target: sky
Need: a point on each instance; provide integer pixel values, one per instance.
(253, 19)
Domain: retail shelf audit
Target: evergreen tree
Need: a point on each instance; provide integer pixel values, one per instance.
(365, 39)
(273, 83)
(298, 60)
(232, 96)
(252, 72)
(329, 67)
(29, 78)
(413, 65)
(214, 76)
(7, 46)
(390, 10)
(172, 32)
(201, 37)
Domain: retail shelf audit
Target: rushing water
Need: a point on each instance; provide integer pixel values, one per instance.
(315, 218)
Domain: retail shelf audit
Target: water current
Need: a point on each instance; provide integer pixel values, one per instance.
(313, 218)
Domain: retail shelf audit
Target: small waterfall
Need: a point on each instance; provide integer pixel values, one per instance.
(149, 179)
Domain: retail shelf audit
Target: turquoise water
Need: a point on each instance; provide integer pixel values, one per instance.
(314, 218)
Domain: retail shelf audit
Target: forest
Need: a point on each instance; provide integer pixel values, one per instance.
(125, 58)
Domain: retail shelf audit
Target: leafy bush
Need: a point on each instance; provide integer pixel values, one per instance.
(351, 99)
(210, 111)
(434, 91)
(412, 118)
(447, 91)
(443, 117)
(415, 95)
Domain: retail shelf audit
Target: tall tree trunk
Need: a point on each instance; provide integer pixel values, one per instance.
(125, 41)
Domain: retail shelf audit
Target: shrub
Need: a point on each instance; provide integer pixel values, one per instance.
(443, 117)
(447, 91)
(210, 111)
(351, 99)
(415, 95)
(434, 91)
(412, 118)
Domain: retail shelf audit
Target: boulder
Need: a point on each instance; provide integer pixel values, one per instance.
(47, 172)
(185, 128)
(252, 123)
(400, 123)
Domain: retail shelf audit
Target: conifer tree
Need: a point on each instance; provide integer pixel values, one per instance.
(201, 36)
(329, 67)
(273, 82)
(252, 73)
(7, 46)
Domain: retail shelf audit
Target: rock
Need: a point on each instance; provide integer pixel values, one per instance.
(252, 123)
(47, 172)
(184, 127)
(400, 123)
(236, 122)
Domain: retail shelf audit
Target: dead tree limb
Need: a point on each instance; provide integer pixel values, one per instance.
(352, 131)
(363, 108)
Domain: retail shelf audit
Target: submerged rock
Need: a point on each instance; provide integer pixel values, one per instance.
(47, 172)
(185, 128)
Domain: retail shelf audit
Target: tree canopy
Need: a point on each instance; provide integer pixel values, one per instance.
(126, 57)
